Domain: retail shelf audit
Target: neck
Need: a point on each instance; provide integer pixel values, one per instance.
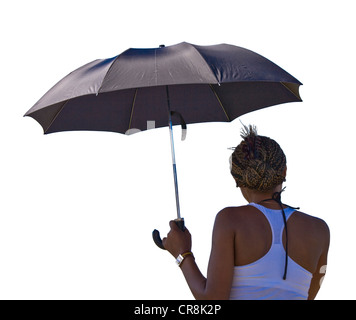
(256, 196)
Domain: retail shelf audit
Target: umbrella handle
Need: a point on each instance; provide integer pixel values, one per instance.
(157, 238)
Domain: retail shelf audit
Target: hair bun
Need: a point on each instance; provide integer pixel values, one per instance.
(258, 162)
(260, 176)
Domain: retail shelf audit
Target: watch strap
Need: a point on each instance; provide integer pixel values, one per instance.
(181, 257)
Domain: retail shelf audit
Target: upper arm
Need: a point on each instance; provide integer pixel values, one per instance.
(320, 271)
(221, 263)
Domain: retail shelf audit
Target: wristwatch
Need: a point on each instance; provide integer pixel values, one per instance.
(181, 257)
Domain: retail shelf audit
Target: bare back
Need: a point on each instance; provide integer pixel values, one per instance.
(308, 240)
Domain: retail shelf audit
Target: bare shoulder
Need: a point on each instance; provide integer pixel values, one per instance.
(230, 215)
(312, 224)
(226, 221)
(230, 212)
(315, 221)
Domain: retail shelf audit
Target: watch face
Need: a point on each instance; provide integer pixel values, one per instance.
(179, 259)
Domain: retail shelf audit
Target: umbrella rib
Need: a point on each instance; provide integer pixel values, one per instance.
(55, 117)
(295, 93)
(133, 107)
(107, 72)
(220, 103)
(201, 56)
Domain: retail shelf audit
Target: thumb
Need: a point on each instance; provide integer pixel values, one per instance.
(173, 225)
(164, 240)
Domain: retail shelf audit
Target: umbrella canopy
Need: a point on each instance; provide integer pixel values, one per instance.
(206, 83)
(199, 83)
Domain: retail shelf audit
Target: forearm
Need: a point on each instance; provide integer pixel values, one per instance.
(217, 284)
(196, 281)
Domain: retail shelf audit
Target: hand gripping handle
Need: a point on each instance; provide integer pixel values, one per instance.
(157, 238)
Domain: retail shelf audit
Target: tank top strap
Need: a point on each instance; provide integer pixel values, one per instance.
(275, 220)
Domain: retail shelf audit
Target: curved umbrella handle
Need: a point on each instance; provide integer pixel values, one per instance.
(157, 238)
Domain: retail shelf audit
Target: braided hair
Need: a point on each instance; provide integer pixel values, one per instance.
(258, 162)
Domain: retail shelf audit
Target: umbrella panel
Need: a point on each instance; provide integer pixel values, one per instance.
(239, 98)
(121, 110)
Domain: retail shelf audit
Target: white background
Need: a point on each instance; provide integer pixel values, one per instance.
(77, 209)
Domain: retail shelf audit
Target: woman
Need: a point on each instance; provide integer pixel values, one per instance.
(264, 250)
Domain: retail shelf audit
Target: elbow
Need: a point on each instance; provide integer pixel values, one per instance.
(212, 295)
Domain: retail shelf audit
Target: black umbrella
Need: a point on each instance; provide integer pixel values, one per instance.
(190, 83)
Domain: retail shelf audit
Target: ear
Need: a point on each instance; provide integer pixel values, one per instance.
(285, 171)
(245, 193)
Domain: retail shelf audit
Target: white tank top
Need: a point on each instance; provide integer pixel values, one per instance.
(263, 279)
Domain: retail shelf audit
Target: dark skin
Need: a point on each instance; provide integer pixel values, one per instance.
(242, 235)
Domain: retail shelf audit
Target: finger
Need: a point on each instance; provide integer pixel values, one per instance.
(173, 225)
(164, 240)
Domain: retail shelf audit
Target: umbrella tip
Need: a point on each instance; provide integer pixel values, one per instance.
(161, 45)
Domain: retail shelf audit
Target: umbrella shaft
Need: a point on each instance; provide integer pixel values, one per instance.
(174, 169)
(176, 190)
(173, 156)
